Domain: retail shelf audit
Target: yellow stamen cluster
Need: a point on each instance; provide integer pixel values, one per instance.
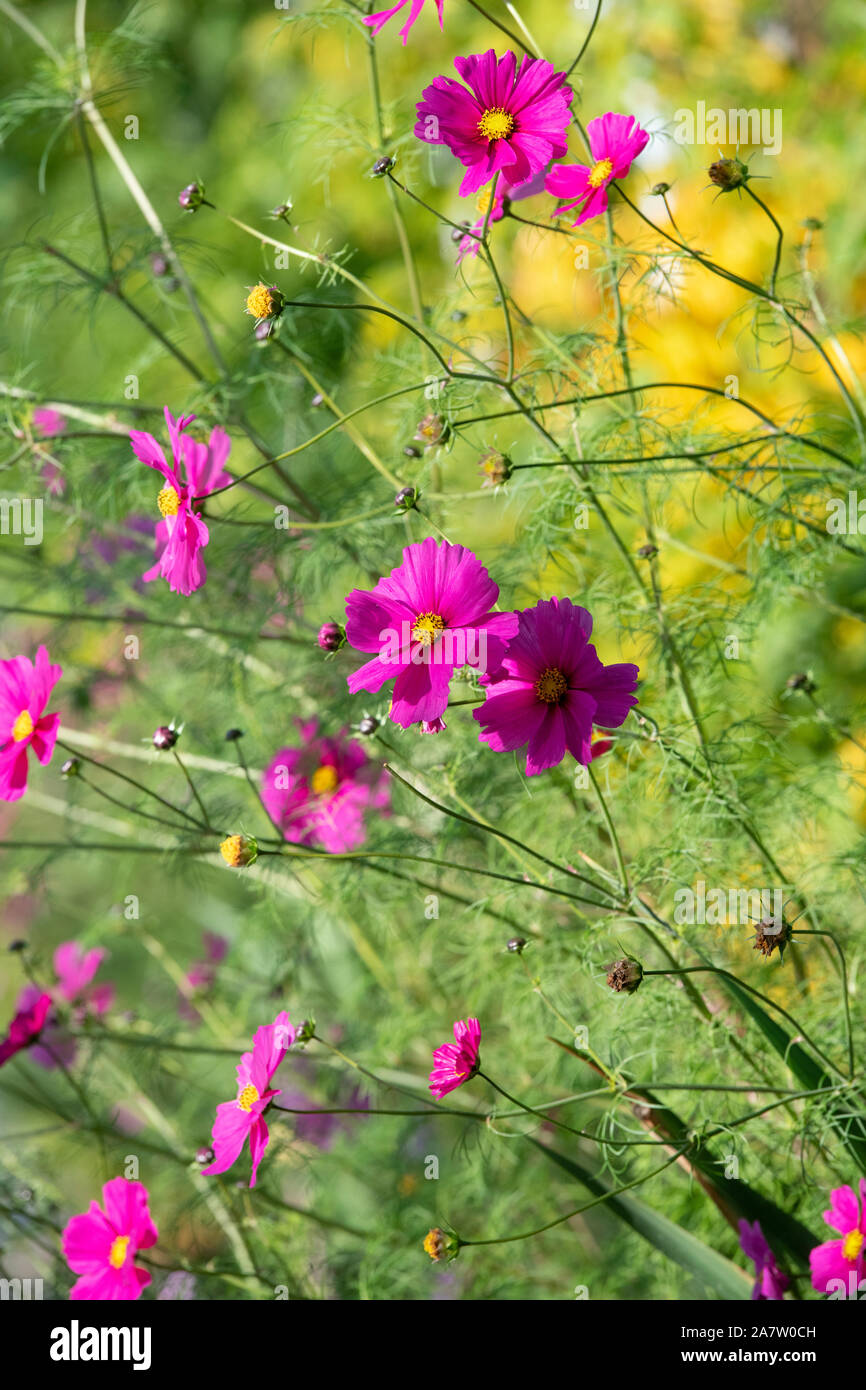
(260, 302)
(168, 502)
(852, 1245)
(496, 123)
(427, 628)
(324, 780)
(117, 1253)
(23, 726)
(551, 685)
(600, 173)
(247, 1098)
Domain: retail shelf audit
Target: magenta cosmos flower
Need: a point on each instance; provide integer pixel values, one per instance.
(47, 422)
(430, 617)
(770, 1282)
(835, 1262)
(244, 1117)
(551, 688)
(506, 119)
(318, 793)
(26, 1026)
(101, 1245)
(25, 689)
(195, 471)
(376, 21)
(454, 1063)
(615, 141)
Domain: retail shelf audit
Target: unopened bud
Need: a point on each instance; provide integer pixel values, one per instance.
(191, 197)
(70, 768)
(331, 637)
(368, 725)
(405, 498)
(382, 166)
(728, 174)
(164, 737)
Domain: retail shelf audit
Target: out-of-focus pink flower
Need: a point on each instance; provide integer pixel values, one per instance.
(25, 1027)
(101, 1245)
(839, 1265)
(318, 793)
(376, 21)
(457, 1062)
(770, 1282)
(74, 968)
(551, 688)
(201, 975)
(614, 141)
(47, 422)
(53, 478)
(196, 470)
(430, 616)
(506, 194)
(506, 119)
(244, 1117)
(25, 689)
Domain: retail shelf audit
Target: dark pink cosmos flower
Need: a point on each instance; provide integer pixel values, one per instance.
(506, 119)
(551, 688)
(195, 471)
(505, 194)
(101, 1245)
(431, 616)
(457, 1062)
(839, 1265)
(615, 142)
(376, 21)
(244, 1117)
(25, 689)
(318, 793)
(25, 1027)
(770, 1282)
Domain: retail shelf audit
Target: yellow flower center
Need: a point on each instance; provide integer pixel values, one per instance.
(260, 302)
(551, 685)
(23, 726)
(427, 628)
(324, 780)
(496, 123)
(600, 173)
(484, 202)
(852, 1245)
(168, 502)
(247, 1098)
(433, 1243)
(117, 1253)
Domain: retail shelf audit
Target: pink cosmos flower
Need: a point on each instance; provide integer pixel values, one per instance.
(615, 141)
(505, 194)
(318, 793)
(101, 1245)
(25, 1026)
(195, 471)
(770, 1282)
(551, 688)
(25, 689)
(244, 1117)
(454, 1063)
(839, 1260)
(431, 616)
(376, 21)
(510, 120)
(48, 422)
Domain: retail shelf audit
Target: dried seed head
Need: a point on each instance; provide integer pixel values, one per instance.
(624, 976)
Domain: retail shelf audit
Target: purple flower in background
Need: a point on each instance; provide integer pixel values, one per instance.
(506, 194)
(318, 793)
(201, 975)
(770, 1282)
(47, 422)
